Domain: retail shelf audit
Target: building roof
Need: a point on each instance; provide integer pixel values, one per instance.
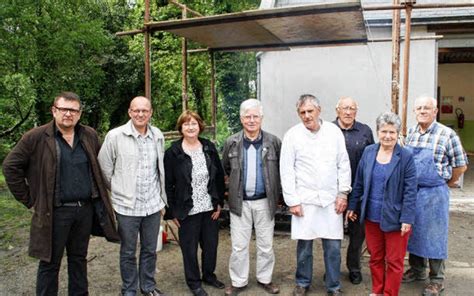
(277, 28)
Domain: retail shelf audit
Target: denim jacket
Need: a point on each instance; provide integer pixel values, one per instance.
(232, 160)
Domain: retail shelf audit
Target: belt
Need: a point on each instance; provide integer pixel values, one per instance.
(79, 203)
(255, 197)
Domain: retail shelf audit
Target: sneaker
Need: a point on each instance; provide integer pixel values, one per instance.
(410, 276)
(300, 291)
(433, 289)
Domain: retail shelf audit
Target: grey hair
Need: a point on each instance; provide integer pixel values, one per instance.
(307, 97)
(345, 98)
(389, 118)
(424, 97)
(250, 104)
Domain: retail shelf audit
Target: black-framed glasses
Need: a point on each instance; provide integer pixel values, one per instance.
(64, 111)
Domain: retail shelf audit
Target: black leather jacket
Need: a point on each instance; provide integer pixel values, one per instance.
(178, 170)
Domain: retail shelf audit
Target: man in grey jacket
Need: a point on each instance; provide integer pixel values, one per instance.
(131, 159)
(251, 162)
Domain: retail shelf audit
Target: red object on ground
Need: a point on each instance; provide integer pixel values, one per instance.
(164, 237)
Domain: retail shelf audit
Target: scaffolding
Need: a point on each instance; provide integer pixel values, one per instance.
(281, 29)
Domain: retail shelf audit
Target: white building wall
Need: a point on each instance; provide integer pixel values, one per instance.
(360, 71)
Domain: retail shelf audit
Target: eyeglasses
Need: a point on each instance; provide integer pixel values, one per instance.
(138, 111)
(348, 108)
(64, 111)
(250, 117)
(421, 108)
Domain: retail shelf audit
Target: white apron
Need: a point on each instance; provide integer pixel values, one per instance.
(317, 222)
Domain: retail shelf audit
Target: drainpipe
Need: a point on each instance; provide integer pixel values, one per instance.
(259, 79)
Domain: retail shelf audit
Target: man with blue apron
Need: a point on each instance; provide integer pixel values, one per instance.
(440, 160)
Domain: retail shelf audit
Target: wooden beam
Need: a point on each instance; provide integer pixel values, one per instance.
(131, 32)
(184, 66)
(406, 69)
(147, 53)
(415, 38)
(461, 28)
(184, 7)
(455, 49)
(416, 6)
(198, 50)
(395, 93)
(213, 94)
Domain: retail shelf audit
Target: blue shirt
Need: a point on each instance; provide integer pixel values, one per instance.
(377, 189)
(357, 138)
(260, 182)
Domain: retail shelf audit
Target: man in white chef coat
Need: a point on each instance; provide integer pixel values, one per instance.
(316, 179)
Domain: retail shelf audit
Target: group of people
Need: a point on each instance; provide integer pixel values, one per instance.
(328, 174)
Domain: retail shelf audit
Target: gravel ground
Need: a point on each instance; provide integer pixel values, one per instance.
(18, 272)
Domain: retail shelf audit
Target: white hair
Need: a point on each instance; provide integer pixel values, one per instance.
(346, 98)
(425, 97)
(250, 104)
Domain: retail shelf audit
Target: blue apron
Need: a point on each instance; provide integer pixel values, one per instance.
(429, 238)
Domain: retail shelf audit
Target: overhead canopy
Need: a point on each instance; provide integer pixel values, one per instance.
(266, 29)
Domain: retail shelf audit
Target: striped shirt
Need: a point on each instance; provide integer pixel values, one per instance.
(147, 190)
(447, 148)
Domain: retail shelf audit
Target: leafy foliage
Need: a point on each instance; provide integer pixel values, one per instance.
(49, 46)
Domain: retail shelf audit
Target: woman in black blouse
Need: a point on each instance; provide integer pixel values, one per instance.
(194, 181)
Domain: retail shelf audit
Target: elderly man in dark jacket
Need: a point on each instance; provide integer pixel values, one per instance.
(54, 170)
(251, 161)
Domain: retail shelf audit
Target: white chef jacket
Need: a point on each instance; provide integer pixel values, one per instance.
(314, 168)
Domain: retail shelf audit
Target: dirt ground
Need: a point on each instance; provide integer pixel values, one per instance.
(18, 272)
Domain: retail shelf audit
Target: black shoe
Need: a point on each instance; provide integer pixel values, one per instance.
(155, 292)
(355, 277)
(215, 283)
(199, 292)
(338, 292)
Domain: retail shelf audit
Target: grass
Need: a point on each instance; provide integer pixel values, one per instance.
(14, 219)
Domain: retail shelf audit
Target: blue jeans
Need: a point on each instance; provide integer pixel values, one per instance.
(129, 227)
(332, 263)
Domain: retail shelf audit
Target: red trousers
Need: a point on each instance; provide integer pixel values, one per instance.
(387, 251)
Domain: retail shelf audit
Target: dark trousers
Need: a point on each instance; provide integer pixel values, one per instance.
(199, 229)
(71, 230)
(129, 227)
(354, 250)
(418, 264)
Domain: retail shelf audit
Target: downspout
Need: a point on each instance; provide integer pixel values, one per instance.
(259, 78)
